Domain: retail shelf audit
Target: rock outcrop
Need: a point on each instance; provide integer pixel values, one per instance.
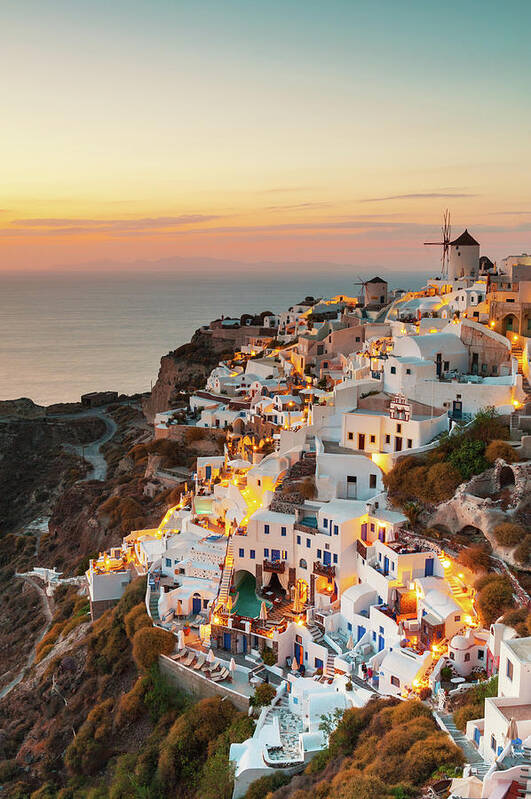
(186, 369)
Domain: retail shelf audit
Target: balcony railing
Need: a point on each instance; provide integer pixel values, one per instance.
(277, 566)
(324, 571)
(305, 528)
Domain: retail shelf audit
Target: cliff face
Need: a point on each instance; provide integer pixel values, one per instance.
(34, 466)
(186, 369)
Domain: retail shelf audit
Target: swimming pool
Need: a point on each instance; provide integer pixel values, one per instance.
(248, 603)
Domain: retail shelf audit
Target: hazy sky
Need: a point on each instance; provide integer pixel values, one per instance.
(261, 129)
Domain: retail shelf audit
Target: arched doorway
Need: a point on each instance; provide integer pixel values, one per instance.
(506, 477)
(510, 324)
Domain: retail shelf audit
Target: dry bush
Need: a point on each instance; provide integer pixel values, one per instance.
(500, 449)
(149, 643)
(442, 480)
(494, 598)
(522, 553)
(131, 705)
(136, 619)
(509, 534)
(476, 558)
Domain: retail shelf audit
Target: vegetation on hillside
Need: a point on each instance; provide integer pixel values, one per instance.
(433, 477)
(95, 726)
(386, 749)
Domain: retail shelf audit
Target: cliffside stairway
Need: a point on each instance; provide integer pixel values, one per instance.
(154, 606)
(468, 749)
(226, 576)
(317, 634)
(329, 669)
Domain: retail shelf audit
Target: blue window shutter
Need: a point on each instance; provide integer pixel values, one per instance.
(242, 553)
(266, 529)
(252, 554)
(266, 553)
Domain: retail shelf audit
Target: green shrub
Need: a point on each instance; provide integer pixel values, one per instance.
(268, 656)
(468, 459)
(263, 695)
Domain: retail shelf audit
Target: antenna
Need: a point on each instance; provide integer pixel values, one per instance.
(446, 234)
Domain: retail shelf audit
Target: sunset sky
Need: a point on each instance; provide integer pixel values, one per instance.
(261, 130)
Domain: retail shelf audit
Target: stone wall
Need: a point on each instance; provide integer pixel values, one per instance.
(198, 686)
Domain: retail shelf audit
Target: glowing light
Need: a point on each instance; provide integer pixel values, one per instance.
(446, 563)
(461, 576)
(515, 338)
(493, 324)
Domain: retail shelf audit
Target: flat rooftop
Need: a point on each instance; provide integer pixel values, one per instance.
(521, 648)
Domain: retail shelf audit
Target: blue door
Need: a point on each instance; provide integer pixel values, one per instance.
(208, 472)
(196, 604)
(477, 736)
(386, 565)
(244, 644)
(299, 653)
(327, 558)
(381, 643)
(428, 568)
(361, 632)
(275, 554)
(226, 641)
(319, 663)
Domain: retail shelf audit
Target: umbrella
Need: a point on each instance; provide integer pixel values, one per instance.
(211, 656)
(512, 731)
(350, 642)
(263, 611)
(180, 640)
(232, 665)
(294, 664)
(228, 603)
(467, 787)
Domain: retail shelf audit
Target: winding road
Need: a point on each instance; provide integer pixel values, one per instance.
(91, 452)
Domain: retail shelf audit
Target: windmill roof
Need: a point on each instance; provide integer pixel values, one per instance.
(466, 240)
(377, 280)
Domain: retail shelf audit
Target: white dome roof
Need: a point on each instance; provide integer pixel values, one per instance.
(460, 642)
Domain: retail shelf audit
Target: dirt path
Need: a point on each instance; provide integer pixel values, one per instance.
(47, 610)
(91, 452)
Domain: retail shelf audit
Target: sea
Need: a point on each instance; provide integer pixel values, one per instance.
(65, 334)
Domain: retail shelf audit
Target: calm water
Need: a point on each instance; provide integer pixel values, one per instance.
(61, 336)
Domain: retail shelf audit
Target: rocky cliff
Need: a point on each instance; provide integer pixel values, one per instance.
(186, 369)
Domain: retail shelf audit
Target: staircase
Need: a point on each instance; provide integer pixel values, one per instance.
(329, 669)
(317, 634)
(470, 752)
(517, 352)
(226, 576)
(154, 606)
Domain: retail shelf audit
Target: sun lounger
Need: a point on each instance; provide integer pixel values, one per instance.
(199, 662)
(182, 653)
(188, 660)
(219, 677)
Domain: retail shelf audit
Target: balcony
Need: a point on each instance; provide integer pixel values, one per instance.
(324, 571)
(276, 566)
(361, 549)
